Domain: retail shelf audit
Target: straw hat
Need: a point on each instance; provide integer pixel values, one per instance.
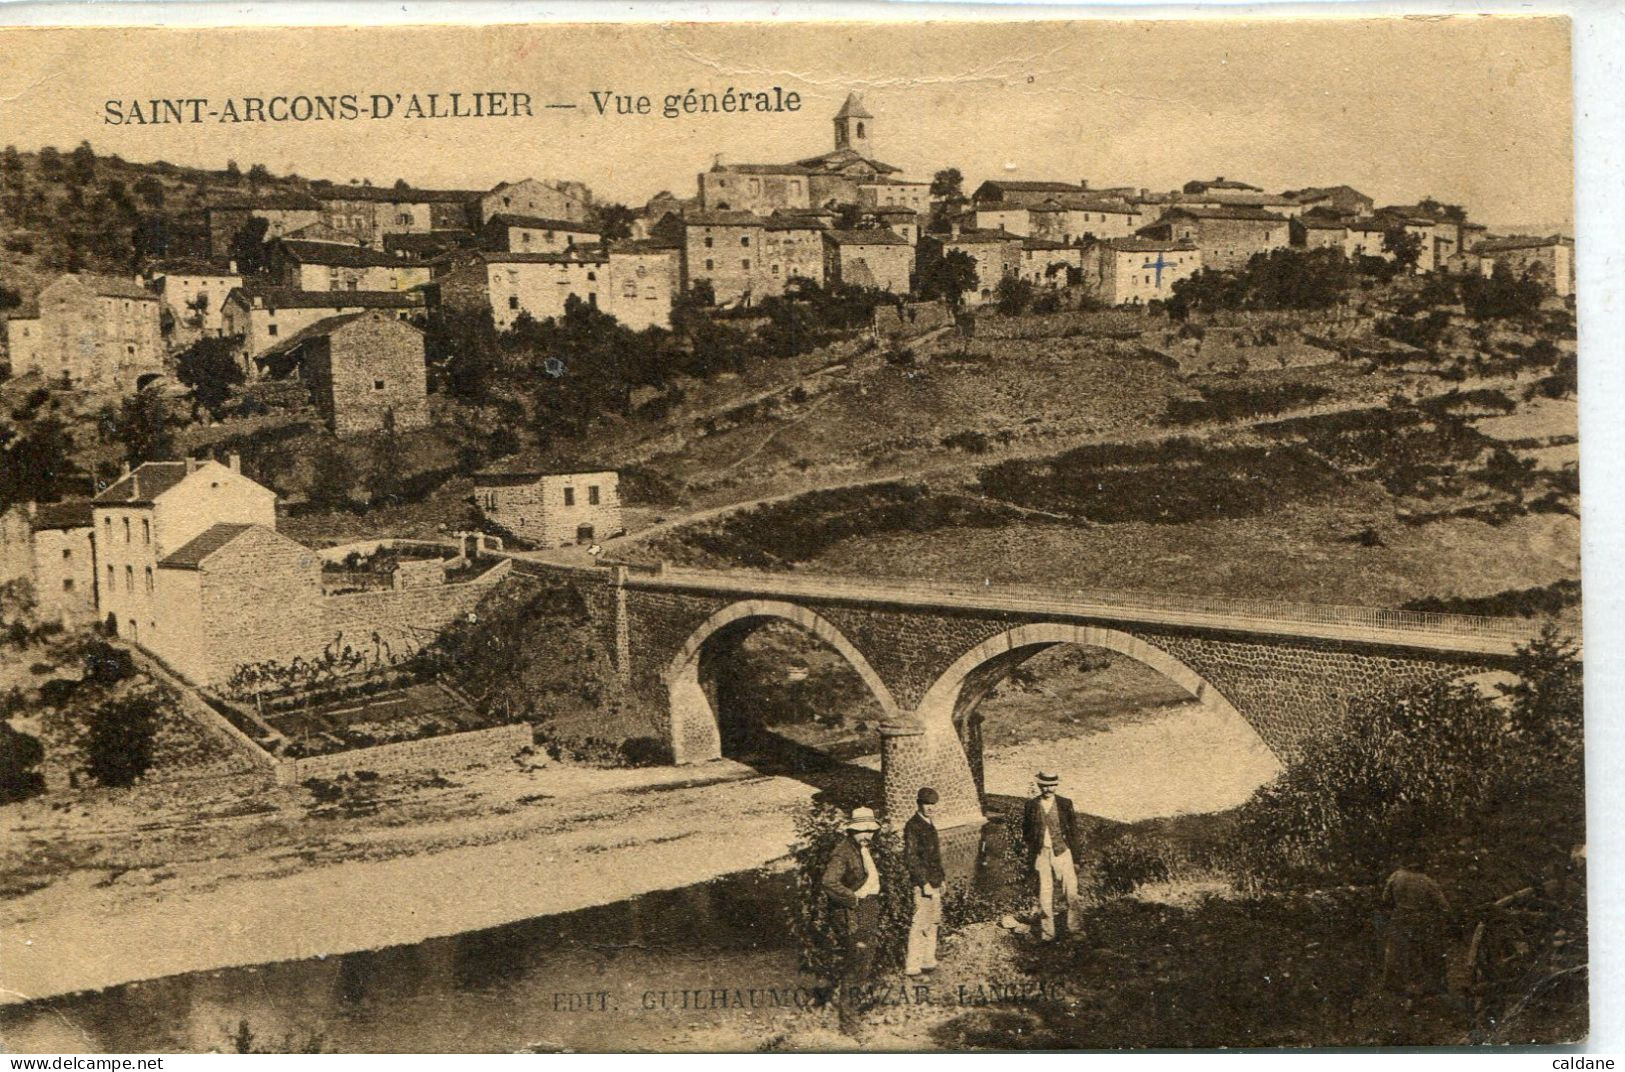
(862, 819)
(1048, 779)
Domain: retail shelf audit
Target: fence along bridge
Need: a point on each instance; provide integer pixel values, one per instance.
(930, 652)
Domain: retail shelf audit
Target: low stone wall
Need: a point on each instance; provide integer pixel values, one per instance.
(449, 752)
(405, 620)
(1094, 322)
(915, 318)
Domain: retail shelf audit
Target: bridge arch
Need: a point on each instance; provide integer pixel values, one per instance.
(695, 733)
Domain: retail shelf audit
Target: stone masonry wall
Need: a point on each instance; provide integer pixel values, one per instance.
(450, 752)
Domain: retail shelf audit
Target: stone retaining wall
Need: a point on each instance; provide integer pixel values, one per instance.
(448, 752)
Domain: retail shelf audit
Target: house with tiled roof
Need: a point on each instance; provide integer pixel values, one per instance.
(1202, 186)
(193, 293)
(1548, 259)
(1077, 219)
(371, 212)
(49, 545)
(1341, 200)
(152, 511)
(283, 213)
(331, 266)
(514, 233)
(100, 332)
(1227, 236)
(1049, 263)
(365, 371)
(996, 254)
(1024, 191)
(1137, 270)
(259, 316)
(877, 259)
(534, 197)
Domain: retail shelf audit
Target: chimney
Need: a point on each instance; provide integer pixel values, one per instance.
(231, 267)
(124, 470)
(1083, 184)
(33, 507)
(235, 462)
(191, 466)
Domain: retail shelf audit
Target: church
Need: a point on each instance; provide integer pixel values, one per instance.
(847, 175)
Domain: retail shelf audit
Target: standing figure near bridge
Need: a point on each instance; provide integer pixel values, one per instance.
(852, 883)
(1413, 957)
(922, 853)
(1049, 828)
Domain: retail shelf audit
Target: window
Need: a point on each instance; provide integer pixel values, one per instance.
(569, 496)
(745, 264)
(126, 530)
(744, 240)
(67, 553)
(710, 265)
(67, 584)
(107, 523)
(513, 301)
(377, 385)
(708, 243)
(524, 237)
(146, 530)
(270, 329)
(592, 494)
(109, 579)
(149, 580)
(129, 579)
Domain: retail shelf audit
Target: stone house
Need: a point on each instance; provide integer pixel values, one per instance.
(368, 213)
(996, 254)
(1072, 220)
(1550, 260)
(1021, 192)
(886, 192)
(1339, 200)
(792, 247)
(642, 282)
(1228, 237)
(755, 188)
(428, 247)
(1048, 264)
(1009, 216)
(95, 331)
(531, 197)
(333, 266)
(152, 511)
(282, 213)
(1319, 232)
(365, 371)
(1133, 271)
(900, 221)
(877, 259)
(260, 317)
(723, 249)
(193, 294)
(552, 509)
(50, 546)
(1202, 186)
(508, 233)
(512, 285)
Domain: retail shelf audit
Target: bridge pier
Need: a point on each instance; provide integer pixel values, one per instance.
(915, 752)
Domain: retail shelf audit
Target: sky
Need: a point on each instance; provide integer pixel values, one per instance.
(1473, 110)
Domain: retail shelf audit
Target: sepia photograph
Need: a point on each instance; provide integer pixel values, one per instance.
(934, 536)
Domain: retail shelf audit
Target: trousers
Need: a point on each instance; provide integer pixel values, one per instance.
(922, 932)
(1056, 867)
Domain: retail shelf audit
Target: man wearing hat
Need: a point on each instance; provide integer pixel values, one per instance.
(852, 883)
(1049, 828)
(922, 853)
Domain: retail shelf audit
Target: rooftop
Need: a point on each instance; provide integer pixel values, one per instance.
(1225, 212)
(853, 108)
(113, 286)
(289, 298)
(762, 169)
(878, 236)
(395, 195)
(1503, 245)
(337, 254)
(723, 218)
(144, 484)
(1148, 245)
(511, 477)
(190, 555)
(70, 514)
(508, 219)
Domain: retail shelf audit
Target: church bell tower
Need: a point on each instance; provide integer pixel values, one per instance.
(854, 126)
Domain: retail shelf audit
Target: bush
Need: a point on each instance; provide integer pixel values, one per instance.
(20, 753)
(813, 926)
(120, 737)
(106, 665)
(1131, 861)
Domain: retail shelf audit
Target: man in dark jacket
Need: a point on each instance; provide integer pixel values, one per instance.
(852, 883)
(1050, 829)
(922, 853)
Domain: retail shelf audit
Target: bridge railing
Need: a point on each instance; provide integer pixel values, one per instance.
(1060, 598)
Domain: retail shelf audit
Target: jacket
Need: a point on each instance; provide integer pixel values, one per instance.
(844, 874)
(922, 851)
(1032, 826)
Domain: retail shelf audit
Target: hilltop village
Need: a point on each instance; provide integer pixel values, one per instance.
(311, 491)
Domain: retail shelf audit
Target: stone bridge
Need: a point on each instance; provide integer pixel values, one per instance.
(929, 653)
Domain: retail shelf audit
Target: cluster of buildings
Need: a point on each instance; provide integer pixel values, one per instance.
(184, 559)
(341, 262)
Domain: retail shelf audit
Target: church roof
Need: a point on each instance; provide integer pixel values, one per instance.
(839, 159)
(853, 108)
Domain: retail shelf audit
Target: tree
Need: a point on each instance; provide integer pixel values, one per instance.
(210, 369)
(233, 174)
(330, 476)
(259, 174)
(121, 734)
(383, 476)
(146, 427)
(1013, 295)
(11, 160)
(20, 753)
(37, 466)
(1500, 296)
(50, 162)
(614, 220)
(1405, 247)
(82, 164)
(462, 352)
(402, 184)
(150, 190)
(948, 185)
(248, 246)
(948, 277)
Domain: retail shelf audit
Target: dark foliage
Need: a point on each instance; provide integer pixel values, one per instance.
(120, 736)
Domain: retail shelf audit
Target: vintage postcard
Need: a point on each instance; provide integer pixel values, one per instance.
(827, 536)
